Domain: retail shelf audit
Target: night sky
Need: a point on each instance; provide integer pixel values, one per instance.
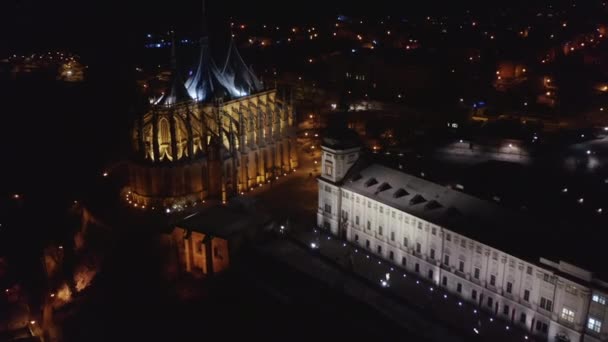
(36, 24)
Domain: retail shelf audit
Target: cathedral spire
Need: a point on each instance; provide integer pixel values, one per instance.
(204, 32)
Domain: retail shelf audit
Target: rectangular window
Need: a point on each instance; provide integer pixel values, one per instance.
(405, 241)
(430, 274)
(494, 255)
(546, 304)
(493, 280)
(328, 208)
(474, 294)
(522, 318)
(594, 324)
(446, 260)
(327, 188)
(476, 273)
(444, 281)
(199, 247)
(538, 325)
(417, 268)
(599, 299)
(367, 244)
(403, 261)
(432, 253)
(529, 270)
(434, 231)
(391, 255)
(216, 252)
(418, 247)
(380, 230)
(567, 315)
(379, 249)
(509, 287)
(461, 266)
(527, 295)
(356, 237)
(357, 220)
(505, 310)
(369, 225)
(392, 236)
(448, 237)
(393, 214)
(369, 204)
(545, 328)
(463, 243)
(459, 288)
(419, 225)
(329, 168)
(490, 302)
(381, 210)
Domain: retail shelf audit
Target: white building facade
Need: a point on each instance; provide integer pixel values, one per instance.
(406, 220)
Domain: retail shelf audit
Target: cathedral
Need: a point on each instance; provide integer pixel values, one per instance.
(214, 135)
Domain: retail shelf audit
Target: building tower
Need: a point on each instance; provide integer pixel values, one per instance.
(340, 151)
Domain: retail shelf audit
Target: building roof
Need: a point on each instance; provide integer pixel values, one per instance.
(221, 221)
(235, 79)
(513, 232)
(341, 138)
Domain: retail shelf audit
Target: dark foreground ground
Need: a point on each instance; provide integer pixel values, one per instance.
(259, 299)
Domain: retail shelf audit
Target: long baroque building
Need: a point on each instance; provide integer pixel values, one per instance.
(217, 134)
(452, 239)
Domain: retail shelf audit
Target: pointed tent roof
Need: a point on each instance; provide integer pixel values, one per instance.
(236, 76)
(203, 83)
(176, 93)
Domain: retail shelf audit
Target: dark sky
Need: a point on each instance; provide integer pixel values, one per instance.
(27, 24)
(39, 24)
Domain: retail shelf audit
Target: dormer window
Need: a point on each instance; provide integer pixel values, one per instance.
(370, 182)
(417, 199)
(400, 193)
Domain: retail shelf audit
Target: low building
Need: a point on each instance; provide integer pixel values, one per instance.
(206, 242)
(470, 247)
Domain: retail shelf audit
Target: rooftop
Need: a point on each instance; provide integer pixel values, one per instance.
(221, 221)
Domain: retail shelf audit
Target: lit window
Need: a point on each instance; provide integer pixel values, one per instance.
(599, 299)
(567, 314)
(594, 324)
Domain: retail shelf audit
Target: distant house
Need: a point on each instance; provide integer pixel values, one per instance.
(207, 242)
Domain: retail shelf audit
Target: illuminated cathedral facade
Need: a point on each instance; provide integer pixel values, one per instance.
(215, 135)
